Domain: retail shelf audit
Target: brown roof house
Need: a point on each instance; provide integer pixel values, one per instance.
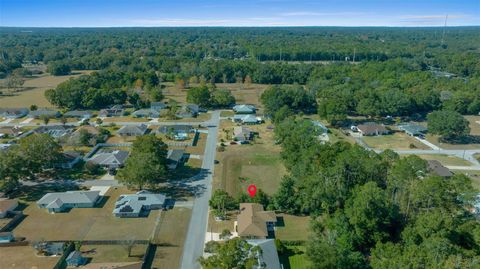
(7, 205)
(254, 222)
(436, 168)
(372, 128)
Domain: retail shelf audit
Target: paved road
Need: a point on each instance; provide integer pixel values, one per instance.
(195, 240)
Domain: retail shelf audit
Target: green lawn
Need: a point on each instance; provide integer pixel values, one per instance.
(445, 159)
(263, 169)
(393, 141)
(294, 228)
(295, 258)
(114, 253)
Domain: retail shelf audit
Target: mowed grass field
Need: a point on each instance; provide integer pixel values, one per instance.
(85, 223)
(396, 140)
(34, 92)
(445, 159)
(244, 165)
(293, 228)
(295, 258)
(243, 93)
(170, 237)
(24, 257)
(113, 253)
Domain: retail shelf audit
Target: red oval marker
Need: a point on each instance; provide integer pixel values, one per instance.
(252, 189)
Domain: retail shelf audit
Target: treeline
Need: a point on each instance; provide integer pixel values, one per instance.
(395, 87)
(104, 88)
(171, 50)
(375, 210)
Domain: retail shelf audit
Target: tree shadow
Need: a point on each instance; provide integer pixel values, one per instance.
(462, 140)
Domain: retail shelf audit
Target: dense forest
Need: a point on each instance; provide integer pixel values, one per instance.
(351, 71)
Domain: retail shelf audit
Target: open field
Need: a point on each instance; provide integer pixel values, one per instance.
(24, 257)
(243, 165)
(445, 159)
(170, 237)
(34, 90)
(85, 223)
(294, 228)
(295, 258)
(243, 93)
(435, 140)
(113, 253)
(396, 140)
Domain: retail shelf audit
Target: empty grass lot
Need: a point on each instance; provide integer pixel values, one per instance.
(170, 237)
(24, 257)
(398, 141)
(85, 223)
(245, 164)
(34, 92)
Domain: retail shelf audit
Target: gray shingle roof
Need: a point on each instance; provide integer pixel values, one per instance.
(133, 130)
(108, 158)
(268, 255)
(57, 199)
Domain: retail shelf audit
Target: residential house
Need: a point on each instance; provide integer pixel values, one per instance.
(55, 131)
(36, 114)
(75, 259)
(7, 131)
(93, 132)
(188, 111)
(254, 222)
(242, 134)
(413, 129)
(69, 159)
(146, 113)
(132, 130)
(319, 127)
(7, 205)
(158, 106)
(372, 128)
(62, 201)
(50, 248)
(268, 256)
(174, 158)
(13, 113)
(246, 119)
(110, 159)
(80, 114)
(177, 132)
(245, 109)
(114, 111)
(436, 168)
(134, 205)
(6, 237)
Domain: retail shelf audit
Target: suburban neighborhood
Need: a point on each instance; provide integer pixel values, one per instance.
(299, 135)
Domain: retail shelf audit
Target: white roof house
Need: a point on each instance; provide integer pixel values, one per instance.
(246, 118)
(245, 109)
(133, 205)
(60, 201)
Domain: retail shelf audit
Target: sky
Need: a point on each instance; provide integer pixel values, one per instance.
(126, 13)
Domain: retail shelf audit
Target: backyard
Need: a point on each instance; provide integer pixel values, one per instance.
(24, 257)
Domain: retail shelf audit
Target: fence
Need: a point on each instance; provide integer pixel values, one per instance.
(61, 264)
(15, 244)
(15, 220)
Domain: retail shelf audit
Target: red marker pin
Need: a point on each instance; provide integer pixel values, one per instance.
(252, 189)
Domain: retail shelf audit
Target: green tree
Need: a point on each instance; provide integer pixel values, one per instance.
(38, 152)
(146, 164)
(58, 69)
(449, 124)
(222, 201)
(222, 98)
(200, 96)
(286, 198)
(234, 253)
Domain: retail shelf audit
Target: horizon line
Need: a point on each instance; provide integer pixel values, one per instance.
(243, 26)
